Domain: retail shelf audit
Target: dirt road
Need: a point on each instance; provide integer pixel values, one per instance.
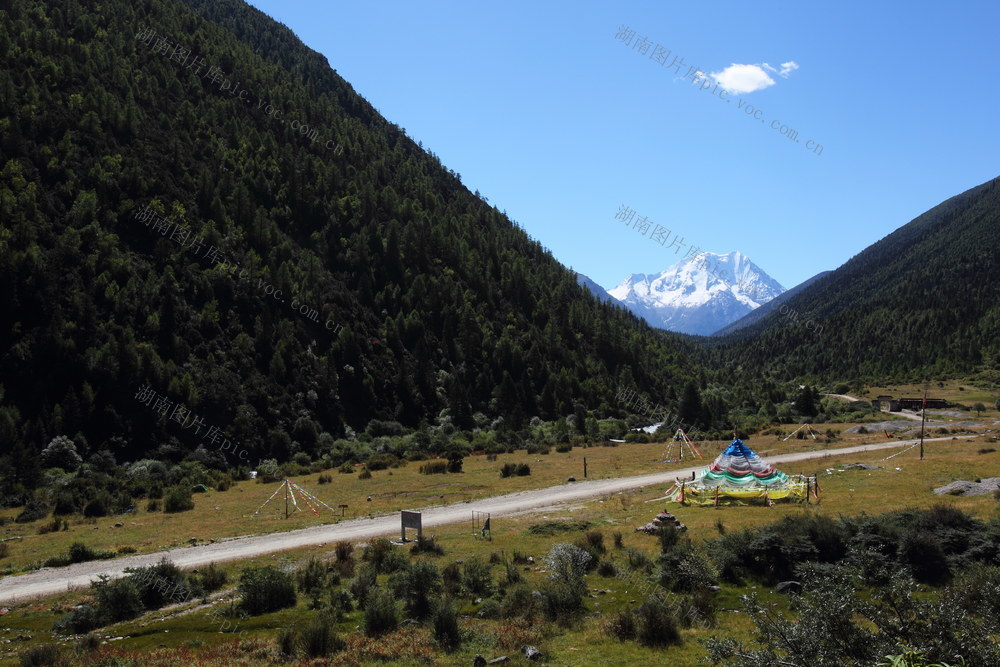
(50, 581)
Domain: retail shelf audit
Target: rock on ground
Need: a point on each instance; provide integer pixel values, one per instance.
(962, 487)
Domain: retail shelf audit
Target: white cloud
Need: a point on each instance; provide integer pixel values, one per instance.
(743, 78)
(788, 68)
(751, 78)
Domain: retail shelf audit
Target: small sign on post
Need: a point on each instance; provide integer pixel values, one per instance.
(410, 519)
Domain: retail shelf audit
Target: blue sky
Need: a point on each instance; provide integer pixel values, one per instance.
(539, 107)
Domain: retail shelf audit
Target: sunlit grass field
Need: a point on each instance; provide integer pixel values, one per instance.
(187, 634)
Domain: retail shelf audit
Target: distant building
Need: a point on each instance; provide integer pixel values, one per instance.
(885, 403)
(917, 403)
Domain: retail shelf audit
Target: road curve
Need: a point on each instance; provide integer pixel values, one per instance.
(50, 581)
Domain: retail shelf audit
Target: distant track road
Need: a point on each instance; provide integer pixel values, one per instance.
(51, 581)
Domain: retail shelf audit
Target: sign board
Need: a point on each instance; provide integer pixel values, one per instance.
(410, 519)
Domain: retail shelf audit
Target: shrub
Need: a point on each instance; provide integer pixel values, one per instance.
(564, 447)
(52, 526)
(160, 584)
(508, 470)
(78, 621)
(177, 499)
(381, 614)
(606, 569)
(619, 539)
(318, 637)
(638, 560)
(212, 577)
(381, 462)
(365, 473)
(363, 584)
(594, 539)
(81, 553)
(35, 509)
(427, 545)
(324, 479)
(451, 575)
(561, 601)
(476, 577)
(117, 600)
(434, 468)
(344, 551)
(415, 585)
(656, 624)
(224, 484)
(4, 549)
(523, 470)
(622, 626)
(98, 505)
(265, 589)
(42, 656)
(567, 564)
(312, 577)
(445, 621)
(153, 505)
(346, 468)
(519, 602)
(383, 557)
(686, 569)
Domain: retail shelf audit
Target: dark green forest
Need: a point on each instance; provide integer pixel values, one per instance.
(439, 305)
(922, 303)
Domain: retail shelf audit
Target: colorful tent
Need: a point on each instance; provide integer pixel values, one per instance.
(738, 476)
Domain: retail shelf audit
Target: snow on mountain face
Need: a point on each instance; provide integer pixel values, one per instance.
(698, 295)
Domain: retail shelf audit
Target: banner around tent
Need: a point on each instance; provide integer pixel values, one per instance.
(740, 477)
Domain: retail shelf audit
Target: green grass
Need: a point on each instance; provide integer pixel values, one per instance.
(189, 634)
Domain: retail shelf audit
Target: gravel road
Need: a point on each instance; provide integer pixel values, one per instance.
(50, 581)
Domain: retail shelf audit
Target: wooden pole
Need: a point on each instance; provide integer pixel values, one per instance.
(286, 498)
(585, 466)
(923, 420)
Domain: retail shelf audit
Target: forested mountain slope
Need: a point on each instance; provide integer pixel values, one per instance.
(411, 293)
(922, 302)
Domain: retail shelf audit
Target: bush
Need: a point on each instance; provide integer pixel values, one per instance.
(445, 621)
(382, 462)
(383, 557)
(622, 626)
(312, 577)
(415, 585)
(476, 577)
(153, 506)
(265, 589)
(78, 621)
(344, 551)
(607, 569)
(212, 578)
(177, 499)
(561, 601)
(346, 468)
(319, 638)
(686, 569)
(365, 473)
(98, 506)
(564, 447)
(523, 470)
(434, 468)
(519, 602)
(35, 509)
(160, 584)
(619, 539)
(427, 545)
(42, 656)
(363, 584)
(381, 614)
(4, 549)
(638, 560)
(117, 600)
(594, 539)
(656, 624)
(324, 479)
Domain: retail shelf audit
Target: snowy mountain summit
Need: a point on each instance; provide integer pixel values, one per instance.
(698, 295)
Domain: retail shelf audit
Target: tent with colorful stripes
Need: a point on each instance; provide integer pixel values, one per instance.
(738, 476)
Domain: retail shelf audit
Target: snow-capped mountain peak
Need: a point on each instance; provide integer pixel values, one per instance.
(698, 295)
